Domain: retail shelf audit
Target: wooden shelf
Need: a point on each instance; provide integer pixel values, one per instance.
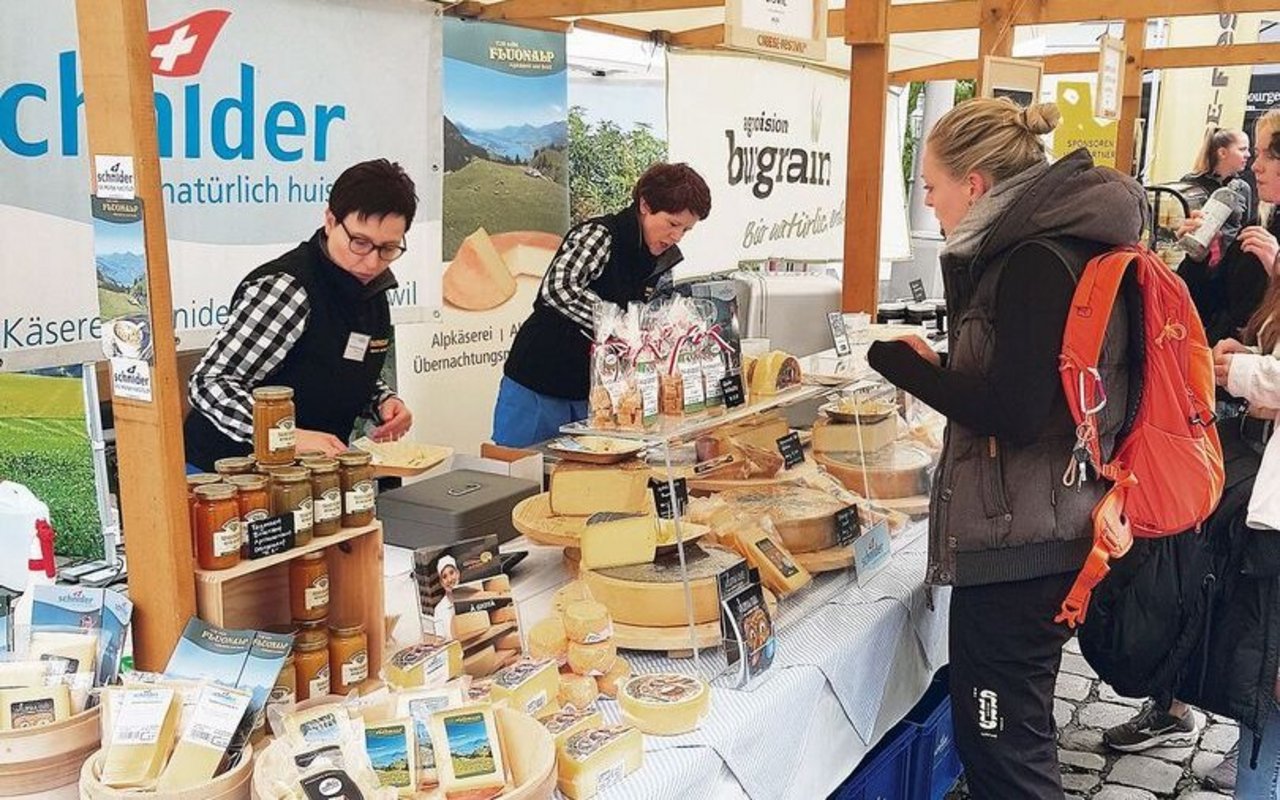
(247, 567)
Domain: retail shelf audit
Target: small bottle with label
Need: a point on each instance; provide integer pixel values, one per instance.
(326, 496)
(348, 657)
(291, 494)
(218, 532)
(311, 666)
(309, 586)
(355, 474)
(274, 433)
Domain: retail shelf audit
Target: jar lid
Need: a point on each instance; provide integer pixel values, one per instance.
(892, 306)
(234, 464)
(282, 628)
(307, 454)
(354, 458)
(305, 644)
(248, 483)
(273, 393)
(320, 464)
(290, 474)
(216, 491)
(921, 308)
(314, 555)
(347, 629)
(202, 479)
(304, 625)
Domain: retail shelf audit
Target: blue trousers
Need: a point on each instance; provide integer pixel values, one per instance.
(1262, 783)
(522, 417)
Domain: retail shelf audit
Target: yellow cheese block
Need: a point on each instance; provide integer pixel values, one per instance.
(548, 640)
(392, 749)
(478, 279)
(80, 650)
(609, 540)
(778, 569)
(20, 674)
(609, 682)
(839, 437)
(34, 706)
(529, 685)
(503, 614)
(578, 691)
(664, 703)
(467, 749)
(482, 662)
(587, 622)
(594, 759)
(424, 664)
(763, 432)
(143, 728)
(580, 490)
(470, 623)
(501, 584)
(592, 659)
(202, 746)
(569, 720)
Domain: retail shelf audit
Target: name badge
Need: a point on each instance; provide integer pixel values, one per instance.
(357, 346)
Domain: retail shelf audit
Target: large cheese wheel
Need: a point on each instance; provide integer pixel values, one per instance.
(664, 703)
(804, 517)
(652, 595)
(478, 279)
(898, 470)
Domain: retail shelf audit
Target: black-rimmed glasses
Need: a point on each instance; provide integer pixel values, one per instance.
(361, 246)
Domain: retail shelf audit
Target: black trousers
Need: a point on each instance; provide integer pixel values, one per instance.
(1005, 653)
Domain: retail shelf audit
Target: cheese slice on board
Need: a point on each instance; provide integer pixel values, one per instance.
(467, 749)
(478, 279)
(664, 703)
(594, 759)
(580, 490)
(618, 540)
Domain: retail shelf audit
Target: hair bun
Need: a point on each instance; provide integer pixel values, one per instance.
(1040, 118)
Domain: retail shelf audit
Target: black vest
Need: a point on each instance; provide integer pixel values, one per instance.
(329, 390)
(550, 354)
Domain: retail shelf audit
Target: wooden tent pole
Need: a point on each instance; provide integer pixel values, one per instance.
(120, 119)
(1135, 44)
(867, 34)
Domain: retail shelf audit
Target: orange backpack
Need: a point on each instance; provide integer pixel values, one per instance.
(1166, 472)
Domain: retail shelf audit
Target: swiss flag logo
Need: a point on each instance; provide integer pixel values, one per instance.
(179, 50)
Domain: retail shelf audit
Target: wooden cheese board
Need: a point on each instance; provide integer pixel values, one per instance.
(533, 518)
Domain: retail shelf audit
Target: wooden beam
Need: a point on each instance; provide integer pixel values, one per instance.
(709, 36)
(941, 16)
(115, 61)
(1056, 11)
(1135, 43)
(1231, 55)
(588, 24)
(995, 31)
(544, 9)
(864, 181)
(1070, 63)
(946, 71)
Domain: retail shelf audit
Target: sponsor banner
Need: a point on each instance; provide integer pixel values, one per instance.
(1079, 128)
(251, 135)
(506, 207)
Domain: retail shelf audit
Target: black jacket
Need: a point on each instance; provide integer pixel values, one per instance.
(1228, 294)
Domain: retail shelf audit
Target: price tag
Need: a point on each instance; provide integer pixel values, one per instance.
(871, 552)
(917, 290)
(791, 449)
(269, 536)
(848, 526)
(731, 388)
(669, 507)
(839, 334)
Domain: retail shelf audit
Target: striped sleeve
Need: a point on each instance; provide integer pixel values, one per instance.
(581, 259)
(263, 326)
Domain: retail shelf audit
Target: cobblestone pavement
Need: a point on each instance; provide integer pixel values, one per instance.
(1084, 706)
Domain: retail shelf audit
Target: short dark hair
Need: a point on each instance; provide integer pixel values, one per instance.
(374, 189)
(673, 188)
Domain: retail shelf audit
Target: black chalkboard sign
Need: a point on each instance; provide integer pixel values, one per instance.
(731, 388)
(791, 449)
(848, 526)
(669, 507)
(269, 536)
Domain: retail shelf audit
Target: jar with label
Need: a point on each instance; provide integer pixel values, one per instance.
(309, 586)
(198, 479)
(274, 436)
(355, 476)
(348, 657)
(291, 494)
(311, 668)
(254, 500)
(218, 533)
(891, 313)
(326, 496)
(234, 465)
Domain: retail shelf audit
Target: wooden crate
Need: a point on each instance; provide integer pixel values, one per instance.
(255, 594)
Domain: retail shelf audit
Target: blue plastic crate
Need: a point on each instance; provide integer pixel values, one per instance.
(935, 761)
(885, 773)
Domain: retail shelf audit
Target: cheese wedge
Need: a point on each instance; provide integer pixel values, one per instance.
(587, 622)
(594, 759)
(529, 686)
(467, 749)
(569, 720)
(833, 437)
(778, 569)
(470, 623)
(34, 706)
(618, 540)
(664, 703)
(578, 691)
(477, 279)
(580, 490)
(202, 746)
(592, 659)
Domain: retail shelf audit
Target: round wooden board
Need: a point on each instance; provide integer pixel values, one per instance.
(634, 637)
(915, 506)
(713, 485)
(533, 518)
(837, 558)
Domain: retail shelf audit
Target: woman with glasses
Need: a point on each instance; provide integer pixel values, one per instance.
(317, 320)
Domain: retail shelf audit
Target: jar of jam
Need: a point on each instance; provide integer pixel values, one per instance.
(309, 586)
(348, 656)
(234, 465)
(285, 692)
(254, 501)
(198, 479)
(291, 494)
(355, 477)
(311, 668)
(274, 436)
(326, 495)
(218, 532)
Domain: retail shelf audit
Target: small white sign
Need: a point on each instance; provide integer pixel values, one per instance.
(872, 552)
(131, 378)
(114, 176)
(1111, 58)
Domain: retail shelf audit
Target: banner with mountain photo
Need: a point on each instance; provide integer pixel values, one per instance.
(505, 209)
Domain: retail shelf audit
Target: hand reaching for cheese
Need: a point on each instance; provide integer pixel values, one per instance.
(396, 420)
(922, 348)
(326, 443)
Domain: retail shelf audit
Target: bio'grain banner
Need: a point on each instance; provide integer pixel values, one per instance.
(253, 128)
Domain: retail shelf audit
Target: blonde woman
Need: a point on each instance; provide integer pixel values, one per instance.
(1004, 532)
(1222, 161)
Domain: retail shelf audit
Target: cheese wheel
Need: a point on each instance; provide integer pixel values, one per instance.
(580, 490)
(477, 279)
(664, 703)
(592, 659)
(587, 622)
(547, 639)
(578, 691)
(609, 682)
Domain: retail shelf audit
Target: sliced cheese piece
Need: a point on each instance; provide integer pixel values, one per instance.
(424, 664)
(664, 703)
(482, 662)
(217, 714)
(594, 759)
(609, 682)
(587, 622)
(468, 750)
(778, 569)
(569, 720)
(580, 490)
(144, 722)
(548, 640)
(578, 691)
(838, 437)
(470, 623)
(763, 432)
(477, 279)
(392, 749)
(618, 540)
(21, 674)
(420, 705)
(34, 706)
(592, 659)
(528, 259)
(529, 685)
(78, 651)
